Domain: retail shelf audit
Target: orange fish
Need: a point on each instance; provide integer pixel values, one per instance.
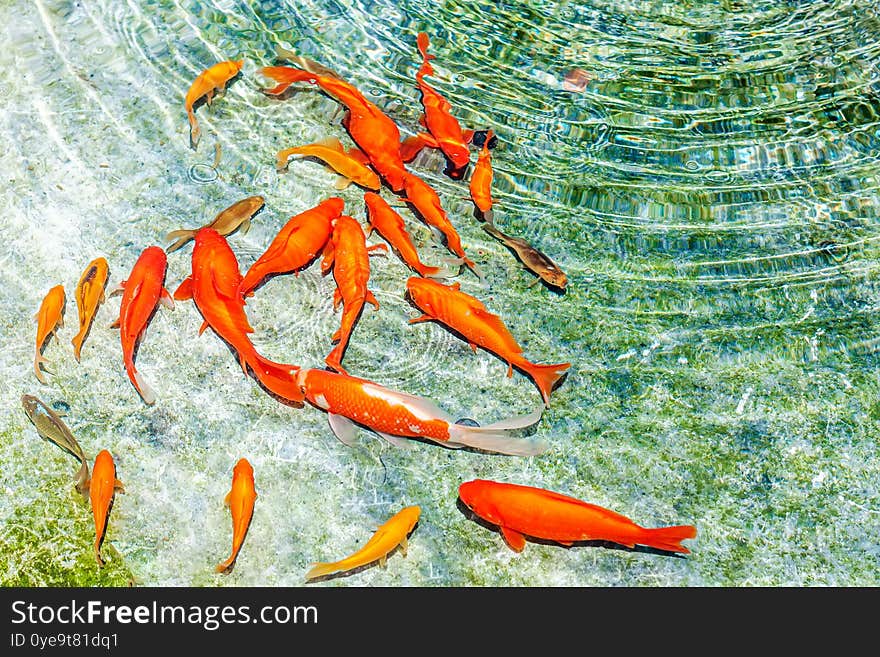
(214, 286)
(102, 490)
(209, 82)
(141, 292)
(349, 400)
(481, 180)
(347, 253)
(297, 243)
(469, 317)
(370, 128)
(444, 128)
(49, 318)
(240, 501)
(390, 225)
(522, 511)
(351, 168)
(89, 295)
(426, 202)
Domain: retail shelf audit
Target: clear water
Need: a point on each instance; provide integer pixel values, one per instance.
(712, 195)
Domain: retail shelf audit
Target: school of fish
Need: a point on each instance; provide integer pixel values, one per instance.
(334, 235)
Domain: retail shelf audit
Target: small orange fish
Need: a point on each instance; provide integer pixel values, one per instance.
(103, 487)
(481, 180)
(240, 501)
(209, 82)
(390, 225)
(427, 204)
(141, 292)
(49, 318)
(297, 243)
(522, 511)
(350, 401)
(469, 317)
(350, 167)
(236, 216)
(347, 253)
(89, 295)
(390, 535)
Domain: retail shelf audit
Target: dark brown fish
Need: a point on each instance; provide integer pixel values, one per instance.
(50, 427)
(238, 215)
(544, 267)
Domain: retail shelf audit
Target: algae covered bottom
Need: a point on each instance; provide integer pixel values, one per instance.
(705, 173)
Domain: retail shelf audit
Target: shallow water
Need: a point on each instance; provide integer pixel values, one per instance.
(712, 194)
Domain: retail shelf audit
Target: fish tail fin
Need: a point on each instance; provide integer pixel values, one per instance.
(545, 376)
(140, 384)
(226, 566)
(77, 342)
(489, 217)
(427, 271)
(284, 76)
(321, 569)
(669, 538)
(422, 44)
(195, 132)
(39, 360)
(182, 236)
(496, 437)
(278, 378)
(98, 551)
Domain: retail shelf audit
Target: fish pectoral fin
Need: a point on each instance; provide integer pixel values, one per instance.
(383, 561)
(369, 298)
(514, 539)
(468, 136)
(119, 289)
(184, 291)
(244, 227)
(342, 428)
(422, 318)
(228, 499)
(166, 299)
(403, 545)
(118, 486)
(472, 346)
(115, 324)
(203, 327)
(342, 183)
(534, 282)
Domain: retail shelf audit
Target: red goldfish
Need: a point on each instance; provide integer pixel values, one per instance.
(348, 255)
(208, 82)
(481, 180)
(142, 291)
(298, 243)
(349, 400)
(349, 165)
(102, 489)
(89, 295)
(49, 317)
(469, 317)
(522, 511)
(214, 286)
(370, 128)
(383, 218)
(426, 202)
(240, 501)
(444, 127)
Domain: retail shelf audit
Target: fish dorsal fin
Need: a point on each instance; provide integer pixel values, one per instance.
(514, 539)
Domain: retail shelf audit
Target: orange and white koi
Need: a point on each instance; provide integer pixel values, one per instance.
(392, 415)
(348, 255)
(522, 511)
(236, 216)
(89, 295)
(49, 318)
(297, 243)
(481, 181)
(214, 286)
(444, 128)
(389, 223)
(103, 487)
(392, 534)
(240, 500)
(350, 168)
(427, 204)
(141, 292)
(370, 128)
(208, 82)
(469, 317)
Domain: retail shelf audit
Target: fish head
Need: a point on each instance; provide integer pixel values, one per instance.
(554, 276)
(420, 292)
(476, 495)
(243, 469)
(30, 403)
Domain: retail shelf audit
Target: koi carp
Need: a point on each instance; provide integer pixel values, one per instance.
(89, 295)
(481, 180)
(51, 427)
(469, 317)
(350, 168)
(348, 255)
(49, 318)
(426, 202)
(444, 128)
(141, 292)
(522, 511)
(547, 270)
(240, 501)
(236, 217)
(389, 223)
(370, 128)
(297, 243)
(214, 286)
(391, 414)
(103, 487)
(392, 534)
(208, 82)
